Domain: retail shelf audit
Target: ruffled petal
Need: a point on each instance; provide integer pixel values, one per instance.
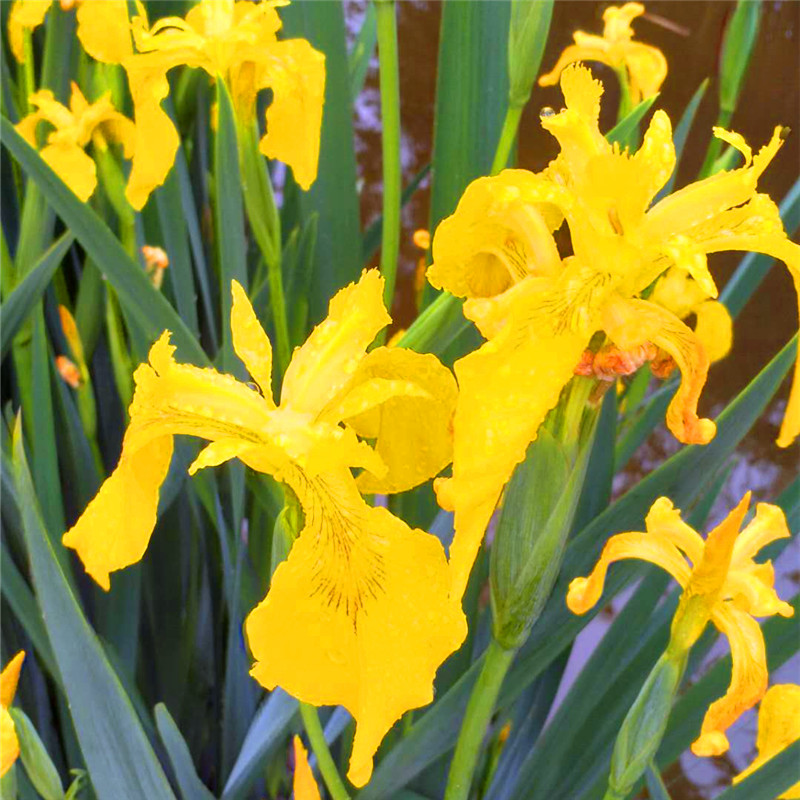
(633, 322)
(24, 14)
(592, 48)
(73, 166)
(405, 401)
(506, 389)
(331, 354)
(303, 783)
(296, 74)
(104, 30)
(748, 679)
(584, 593)
(251, 342)
(500, 232)
(361, 600)
(778, 727)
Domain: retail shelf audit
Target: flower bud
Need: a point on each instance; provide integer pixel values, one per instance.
(38, 766)
(643, 729)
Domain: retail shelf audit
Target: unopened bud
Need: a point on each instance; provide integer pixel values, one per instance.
(68, 371)
(422, 238)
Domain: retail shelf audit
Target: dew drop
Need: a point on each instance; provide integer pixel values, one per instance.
(547, 111)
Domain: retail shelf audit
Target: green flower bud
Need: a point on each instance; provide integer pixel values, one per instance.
(40, 769)
(643, 729)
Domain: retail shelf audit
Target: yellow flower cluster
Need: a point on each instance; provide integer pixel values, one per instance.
(362, 597)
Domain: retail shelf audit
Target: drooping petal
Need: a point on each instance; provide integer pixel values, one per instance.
(73, 166)
(647, 68)
(506, 389)
(104, 30)
(9, 744)
(633, 322)
(405, 401)
(591, 48)
(114, 530)
(584, 593)
(714, 329)
(748, 679)
(147, 77)
(251, 342)
(361, 600)
(778, 727)
(752, 588)
(9, 678)
(303, 783)
(24, 14)
(296, 73)
(325, 363)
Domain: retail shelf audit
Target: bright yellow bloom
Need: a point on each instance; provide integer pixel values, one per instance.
(103, 27)
(540, 312)
(362, 598)
(721, 583)
(76, 127)
(9, 745)
(303, 783)
(645, 64)
(778, 727)
(238, 42)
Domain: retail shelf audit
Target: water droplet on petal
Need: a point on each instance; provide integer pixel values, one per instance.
(547, 111)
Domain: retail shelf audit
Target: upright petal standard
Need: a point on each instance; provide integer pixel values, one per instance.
(362, 598)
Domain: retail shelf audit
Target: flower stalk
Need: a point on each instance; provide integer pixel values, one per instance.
(321, 750)
(497, 661)
(390, 142)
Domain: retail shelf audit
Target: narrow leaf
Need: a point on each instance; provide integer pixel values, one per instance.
(192, 788)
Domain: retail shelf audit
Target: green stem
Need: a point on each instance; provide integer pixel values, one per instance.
(479, 713)
(625, 101)
(390, 141)
(507, 136)
(324, 758)
(715, 145)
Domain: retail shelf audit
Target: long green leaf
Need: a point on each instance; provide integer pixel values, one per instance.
(22, 300)
(471, 99)
(621, 132)
(337, 256)
(192, 788)
(141, 299)
(120, 760)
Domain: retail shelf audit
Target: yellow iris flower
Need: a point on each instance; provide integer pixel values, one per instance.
(645, 64)
(362, 598)
(76, 127)
(9, 745)
(778, 727)
(303, 783)
(238, 42)
(540, 312)
(103, 27)
(721, 583)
